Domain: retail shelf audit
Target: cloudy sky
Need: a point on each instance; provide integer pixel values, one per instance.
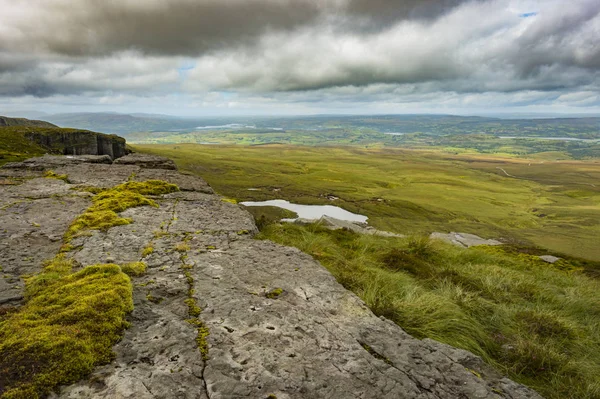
(220, 57)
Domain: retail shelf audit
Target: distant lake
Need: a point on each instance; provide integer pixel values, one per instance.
(314, 212)
(228, 126)
(550, 138)
(395, 134)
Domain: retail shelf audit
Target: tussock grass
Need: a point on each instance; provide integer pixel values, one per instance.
(536, 322)
(66, 328)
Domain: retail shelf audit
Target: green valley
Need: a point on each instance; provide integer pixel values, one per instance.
(550, 204)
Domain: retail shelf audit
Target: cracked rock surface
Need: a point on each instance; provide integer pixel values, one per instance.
(279, 324)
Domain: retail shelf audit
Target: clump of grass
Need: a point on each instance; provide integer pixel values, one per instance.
(134, 269)
(182, 247)
(103, 214)
(66, 328)
(535, 322)
(50, 174)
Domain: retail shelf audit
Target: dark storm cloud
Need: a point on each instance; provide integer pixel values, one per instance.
(382, 13)
(189, 27)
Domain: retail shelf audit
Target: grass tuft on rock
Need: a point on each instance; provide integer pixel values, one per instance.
(534, 322)
(67, 327)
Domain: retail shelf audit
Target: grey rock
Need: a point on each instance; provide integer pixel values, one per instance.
(82, 142)
(312, 339)
(464, 240)
(147, 161)
(54, 161)
(549, 258)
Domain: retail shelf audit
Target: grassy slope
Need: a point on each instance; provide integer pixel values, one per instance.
(15, 147)
(416, 191)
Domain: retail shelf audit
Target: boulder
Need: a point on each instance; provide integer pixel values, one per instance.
(549, 258)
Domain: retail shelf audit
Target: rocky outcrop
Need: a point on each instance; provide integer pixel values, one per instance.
(46, 137)
(280, 326)
(78, 142)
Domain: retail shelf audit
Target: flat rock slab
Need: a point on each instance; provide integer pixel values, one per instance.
(464, 240)
(279, 323)
(549, 258)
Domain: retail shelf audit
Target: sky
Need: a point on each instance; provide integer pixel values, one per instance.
(276, 57)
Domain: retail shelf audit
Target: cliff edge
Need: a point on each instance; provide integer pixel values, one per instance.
(24, 136)
(275, 323)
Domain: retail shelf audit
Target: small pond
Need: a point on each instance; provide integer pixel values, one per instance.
(311, 211)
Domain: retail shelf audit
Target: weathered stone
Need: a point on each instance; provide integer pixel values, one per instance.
(147, 161)
(464, 240)
(54, 161)
(69, 142)
(549, 258)
(279, 323)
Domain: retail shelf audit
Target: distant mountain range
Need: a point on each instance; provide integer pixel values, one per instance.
(437, 125)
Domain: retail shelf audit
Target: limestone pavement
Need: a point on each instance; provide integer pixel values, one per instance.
(280, 326)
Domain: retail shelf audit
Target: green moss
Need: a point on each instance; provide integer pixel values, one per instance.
(102, 215)
(98, 220)
(149, 187)
(193, 309)
(274, 293)
(148, 250)
(201, 338)
(90, 189)
(229, 200)
(134, 269)
(50, 174)
(67, 327)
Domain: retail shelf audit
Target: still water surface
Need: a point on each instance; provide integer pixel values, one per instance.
(311, 211)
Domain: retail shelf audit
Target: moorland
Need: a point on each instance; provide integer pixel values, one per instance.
(532, 320)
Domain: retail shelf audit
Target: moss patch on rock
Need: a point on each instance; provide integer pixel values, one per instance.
(102, 215)
(134, 269)
(67, 327)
